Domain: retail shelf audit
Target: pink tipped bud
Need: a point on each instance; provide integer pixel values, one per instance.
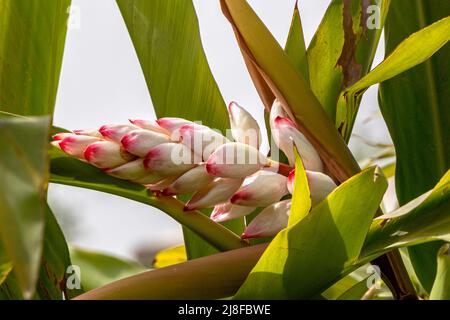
(228, 211)
(89, 132)
(115, 132)
(170, 159)
(132, 170)
(106, 154)
(235, 160)
(172, 125)
(140, 142)
(276, 111)
(244, 127)
(286, 135)
(149, 125)
(76, 145)
(320, 185)
(261, 190)
(61, 136)
(290, 181)
(192, 181)
(202, 140)
(270, 221)
(217, 192)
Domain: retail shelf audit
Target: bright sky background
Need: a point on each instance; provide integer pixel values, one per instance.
(102, 83)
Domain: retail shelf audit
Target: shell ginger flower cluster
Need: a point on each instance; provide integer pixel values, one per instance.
(174, 156)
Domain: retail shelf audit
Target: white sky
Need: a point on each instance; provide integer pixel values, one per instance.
(102, 82)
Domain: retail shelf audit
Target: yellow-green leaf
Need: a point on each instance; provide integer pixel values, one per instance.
(170, 256)
(306, 258)
(344, 46)
(414, 50)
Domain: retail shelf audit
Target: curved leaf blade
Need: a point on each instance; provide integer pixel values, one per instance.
(299, 263)
(69, 171)
(424, 43)
(32, 38)
(213, 277)
(295, 46)
(286, 83)
(441, 288)
(166, 36)
(343, 48)
(418, 115)
(23, 181)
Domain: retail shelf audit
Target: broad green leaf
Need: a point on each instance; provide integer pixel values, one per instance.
(414, 50)
(98, 269)
(54, 273)
(340, 287)
(441, 286)
(23, 182)
(263, 52)
(306, 258)
(415, 106)
(295, 46)
(423, 219)
(166, 36)
(213, 277)
(170, 256)
(73, 172)
(32, 37)
(301, 199)
(344, 46)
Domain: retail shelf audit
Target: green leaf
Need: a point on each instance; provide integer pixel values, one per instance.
(301, 198)
(69, 171)
(98, 269)
(32, 37)
(295, 46)
(301, 262)
(261, 50)
(166, 36)
(5, 265)
(343, 48)
(356, 292)
(54, 273)
(441, 288)
(415, 108)
(424, 44)
(23, 182)
(423, 219)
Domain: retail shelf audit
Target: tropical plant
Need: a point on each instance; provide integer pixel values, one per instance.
(305, 224)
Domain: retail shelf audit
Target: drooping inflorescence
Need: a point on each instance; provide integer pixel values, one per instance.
(174, 156)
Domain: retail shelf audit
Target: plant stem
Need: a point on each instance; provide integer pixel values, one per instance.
(215, 234)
